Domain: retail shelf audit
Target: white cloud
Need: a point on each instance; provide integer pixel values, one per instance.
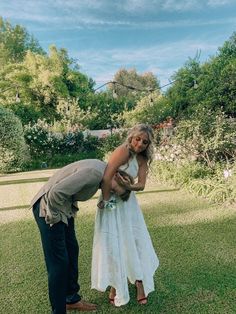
(65, 14)
(181, 5)
(133, 6)
(218, 3)
(143, 6)
(163, 60)
(73, 22)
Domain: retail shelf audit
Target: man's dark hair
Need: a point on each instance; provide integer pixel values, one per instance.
(125, 196)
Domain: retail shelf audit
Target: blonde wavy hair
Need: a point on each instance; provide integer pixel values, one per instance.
(135, 131)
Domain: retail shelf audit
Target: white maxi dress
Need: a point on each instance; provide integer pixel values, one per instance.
(122, 247)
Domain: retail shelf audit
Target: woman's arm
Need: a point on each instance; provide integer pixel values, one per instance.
(119, 157)
(142, 176)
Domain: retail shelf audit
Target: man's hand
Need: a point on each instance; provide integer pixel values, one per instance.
(100, 204)
(125, 182)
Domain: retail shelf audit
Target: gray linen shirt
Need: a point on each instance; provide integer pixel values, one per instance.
(75, 182)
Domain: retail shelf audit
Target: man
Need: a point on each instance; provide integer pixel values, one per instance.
(54, 208)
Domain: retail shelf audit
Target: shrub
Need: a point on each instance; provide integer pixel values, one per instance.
(55, 146)
(71, 142)
(38, 138)
(175, 152)
(91, 143)
(110, 142)
(13, 149)
(210, 135)
(151, 109)
(58, 160)
(43, 140)
(218, 185)
(25, 112)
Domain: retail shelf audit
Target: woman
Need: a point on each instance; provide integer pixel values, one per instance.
(122, 248)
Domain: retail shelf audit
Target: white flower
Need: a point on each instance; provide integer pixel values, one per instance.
(227, 173)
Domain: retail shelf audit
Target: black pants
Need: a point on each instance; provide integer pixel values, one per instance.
(61, 252)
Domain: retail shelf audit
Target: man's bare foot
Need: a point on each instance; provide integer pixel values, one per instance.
(141, 298)
(112, 295)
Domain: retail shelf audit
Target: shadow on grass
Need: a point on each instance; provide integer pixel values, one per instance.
(157, 191)
(94, 197)
(15, 207)
(22, 181)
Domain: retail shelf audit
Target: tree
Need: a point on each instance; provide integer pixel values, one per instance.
(44, 80)
(216, 81)
(151, 109)
(146, 81)
(104, 111)
(17, 41)
(182, 94)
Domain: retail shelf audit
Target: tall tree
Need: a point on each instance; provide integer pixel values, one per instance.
(140, 82)
(44, 80)
(216, 83)
(17, 41)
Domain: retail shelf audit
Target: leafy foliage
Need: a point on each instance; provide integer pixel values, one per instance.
(209, 134)
(216, 81)
(103, 111)
(25, 112)
(43, 141)
(198, 179)
(13, 150)
(150, 109)
(16, 41)
(109, 143)
(40, 80)
(146, 81)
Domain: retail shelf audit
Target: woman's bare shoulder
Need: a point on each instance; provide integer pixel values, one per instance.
(121, 153)
(122, 149)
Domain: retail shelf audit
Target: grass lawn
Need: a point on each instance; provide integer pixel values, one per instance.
(195, 242)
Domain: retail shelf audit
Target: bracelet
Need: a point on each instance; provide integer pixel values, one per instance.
(111, 204)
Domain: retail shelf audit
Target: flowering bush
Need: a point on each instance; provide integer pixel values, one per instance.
(210, 134)
(43, 139)
(47, 140)
(13, 149)
(37, 137)
(175, 152)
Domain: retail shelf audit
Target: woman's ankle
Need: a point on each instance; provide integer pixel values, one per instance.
(112, 291)
(138, 282)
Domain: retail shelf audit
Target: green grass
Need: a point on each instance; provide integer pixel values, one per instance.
(195, 243)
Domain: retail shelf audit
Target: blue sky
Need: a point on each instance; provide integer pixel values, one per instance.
(106, 35)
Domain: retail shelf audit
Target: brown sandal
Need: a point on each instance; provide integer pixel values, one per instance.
(112, 301)
(140, 301)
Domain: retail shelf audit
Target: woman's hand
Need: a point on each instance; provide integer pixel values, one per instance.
(125, 182)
